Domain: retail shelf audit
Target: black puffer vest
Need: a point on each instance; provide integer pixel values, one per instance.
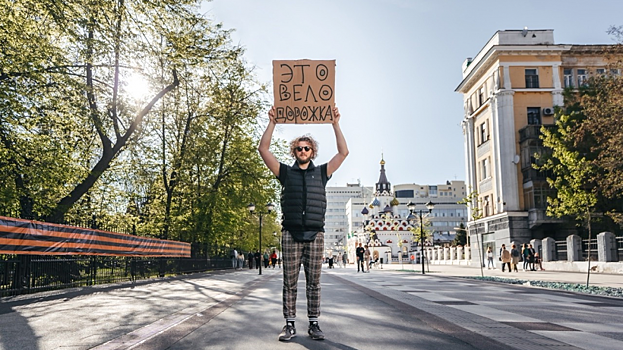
(303, 198)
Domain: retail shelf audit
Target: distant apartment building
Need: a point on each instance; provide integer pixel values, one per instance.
(337, 223)
(447, 214)
(510, 89)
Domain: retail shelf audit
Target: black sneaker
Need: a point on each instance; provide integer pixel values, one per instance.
(314, 331)
(288, 332)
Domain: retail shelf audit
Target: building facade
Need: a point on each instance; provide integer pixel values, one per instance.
(338, 219)
(379, 218)
(510, 90)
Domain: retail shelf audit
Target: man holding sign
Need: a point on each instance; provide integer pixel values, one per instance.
(304, 203)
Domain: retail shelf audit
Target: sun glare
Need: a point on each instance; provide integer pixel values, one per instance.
(136, 86)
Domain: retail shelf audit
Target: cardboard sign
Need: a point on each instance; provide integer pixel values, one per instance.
(304, 91)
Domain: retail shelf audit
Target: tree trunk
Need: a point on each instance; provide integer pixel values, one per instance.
(58, 213)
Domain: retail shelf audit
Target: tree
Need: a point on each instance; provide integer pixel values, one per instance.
(95, 48)
(420, 232)
(472, 202)
(461, 236)
(179, 162)
(584, 148)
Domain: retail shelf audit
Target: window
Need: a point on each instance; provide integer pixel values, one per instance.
(404, 194)
(432, 191)
(481, 96)
(582, 77)
(486, 206)
(532, 78)
(600, 72)
(568, 77)
(484, 169)
(528, 150)
(614, 72)
(534, 115)
(536, 197)
(484, 132)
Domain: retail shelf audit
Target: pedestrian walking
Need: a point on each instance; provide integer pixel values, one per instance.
(505, 257)
(344, 259)
(359, 252)
(240, 260)
(234, 259)
(366, 258)
(515, 255)
(525, 254)
(490, 259)
(537, 261)
(250, 260)
(273, 259)
(304, 202)
(258, 259)
(531, 257)
(266, 259)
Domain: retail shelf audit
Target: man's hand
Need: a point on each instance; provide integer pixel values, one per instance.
(271, 115)
(336, 116)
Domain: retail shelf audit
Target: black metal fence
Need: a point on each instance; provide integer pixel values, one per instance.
(561, 250)
(24, 274)
(594, 251)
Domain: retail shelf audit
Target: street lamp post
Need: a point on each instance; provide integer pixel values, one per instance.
(411, 218)
(269, 209)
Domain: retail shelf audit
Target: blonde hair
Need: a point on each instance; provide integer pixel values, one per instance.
(305, 138)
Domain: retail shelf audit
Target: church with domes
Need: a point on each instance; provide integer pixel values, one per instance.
(381, 219)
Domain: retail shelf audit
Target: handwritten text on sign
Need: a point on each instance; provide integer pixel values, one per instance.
(304, 91)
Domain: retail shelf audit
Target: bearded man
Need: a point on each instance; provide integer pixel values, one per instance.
(304, 204)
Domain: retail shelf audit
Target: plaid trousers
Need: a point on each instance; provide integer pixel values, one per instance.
(310, 254)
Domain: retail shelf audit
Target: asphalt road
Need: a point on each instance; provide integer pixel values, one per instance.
(384, 309)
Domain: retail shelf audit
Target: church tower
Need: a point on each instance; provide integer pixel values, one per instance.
(383, 193)
(383, 187)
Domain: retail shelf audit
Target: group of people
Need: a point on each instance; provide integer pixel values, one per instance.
(340, 259)
(363, 258)
(237, 260)
(251, 260)
(511, 258)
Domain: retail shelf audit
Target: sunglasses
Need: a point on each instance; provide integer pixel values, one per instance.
(300, 149)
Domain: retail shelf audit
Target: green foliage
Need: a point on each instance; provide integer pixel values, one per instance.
(178, 161)
(471, 201)
(571, 167)
(422, 229)
(461, 236)
(584, 152)
(570, 287)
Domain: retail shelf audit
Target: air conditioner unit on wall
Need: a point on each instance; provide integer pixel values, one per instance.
(548, 111)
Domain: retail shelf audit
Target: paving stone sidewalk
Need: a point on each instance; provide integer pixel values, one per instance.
(384, 309)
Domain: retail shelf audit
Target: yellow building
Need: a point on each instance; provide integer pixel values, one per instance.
(509, 91)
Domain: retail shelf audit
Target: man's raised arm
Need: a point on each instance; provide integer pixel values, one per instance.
(342, 148)
(264, 148)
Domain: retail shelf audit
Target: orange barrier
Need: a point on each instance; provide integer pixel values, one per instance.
(19, 236)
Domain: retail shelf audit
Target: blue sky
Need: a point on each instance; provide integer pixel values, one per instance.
(397, 65)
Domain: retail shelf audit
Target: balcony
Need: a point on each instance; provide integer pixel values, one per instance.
(531, 174)
(532, 131)
(537, 217)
